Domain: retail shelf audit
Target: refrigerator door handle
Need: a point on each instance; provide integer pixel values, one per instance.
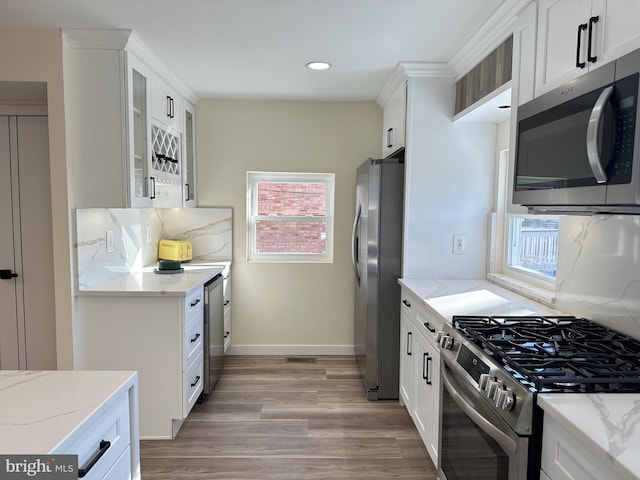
(354, 243)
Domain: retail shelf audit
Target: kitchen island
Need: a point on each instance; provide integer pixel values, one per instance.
(71, 412)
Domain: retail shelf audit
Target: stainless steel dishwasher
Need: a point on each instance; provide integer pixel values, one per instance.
(213, 332)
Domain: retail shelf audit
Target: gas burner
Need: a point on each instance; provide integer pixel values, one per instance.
(557, 353)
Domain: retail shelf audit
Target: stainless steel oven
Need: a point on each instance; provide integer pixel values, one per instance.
(476, 443)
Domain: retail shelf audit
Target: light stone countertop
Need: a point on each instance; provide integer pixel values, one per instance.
(44, 411)
(608, 424)
(472, 297)
(146, 282)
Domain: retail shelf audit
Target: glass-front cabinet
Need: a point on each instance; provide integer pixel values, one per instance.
(141, 185)
(189, 157)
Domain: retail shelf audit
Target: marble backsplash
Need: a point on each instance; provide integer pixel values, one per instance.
(136, 234)
(598, 274)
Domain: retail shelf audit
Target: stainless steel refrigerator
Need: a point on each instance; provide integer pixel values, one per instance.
(377, 256)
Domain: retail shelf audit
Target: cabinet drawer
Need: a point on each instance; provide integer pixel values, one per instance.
(113, 427)
(191, 386)
(122, 468)
(192, 340)
(192, 302)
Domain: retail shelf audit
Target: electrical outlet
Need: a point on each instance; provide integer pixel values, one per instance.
(459, 243)
(109, 241)
(148, 233)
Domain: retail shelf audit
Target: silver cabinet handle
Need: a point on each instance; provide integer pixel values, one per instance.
(593, 126)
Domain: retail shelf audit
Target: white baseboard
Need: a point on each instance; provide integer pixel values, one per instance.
(291, 350)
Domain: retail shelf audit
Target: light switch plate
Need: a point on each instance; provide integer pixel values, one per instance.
(109, 241)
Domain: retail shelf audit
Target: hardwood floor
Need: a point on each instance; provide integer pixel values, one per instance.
(270, 418)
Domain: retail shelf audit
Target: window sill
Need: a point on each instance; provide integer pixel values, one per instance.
(545, 296)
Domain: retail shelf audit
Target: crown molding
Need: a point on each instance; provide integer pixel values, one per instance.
(124, 39)
(95, 38)
(491, 34)
(406, 70)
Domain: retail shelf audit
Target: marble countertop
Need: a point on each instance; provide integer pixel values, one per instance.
(472, 297)
(42, 411)
(146, 282)
(608, 424)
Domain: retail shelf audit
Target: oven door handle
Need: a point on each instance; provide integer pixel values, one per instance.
(503, 440)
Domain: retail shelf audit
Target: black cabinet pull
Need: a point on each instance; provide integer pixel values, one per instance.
(226, 334)
(428, 326)
(102, 449)
(425, 367)
(195, 302)
(389, 143)
(582, 27)
(590, 57)
(195, 382)
(195, 338)
(7, 275)
(427, 377)
(407, 304)
(186, 186)
(168, 106)
(227, 302)
(409, 336)
(153, 188)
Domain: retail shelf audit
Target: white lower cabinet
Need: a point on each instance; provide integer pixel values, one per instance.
(158, 336)
(226, 287)
(426, 410)
(407, 382)
(121, 470)
(564, 457)
(420, 369)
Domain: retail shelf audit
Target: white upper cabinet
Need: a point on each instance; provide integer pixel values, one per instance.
(189, 156)
(125, 123)
(393, 122)
(139, 155)
(166, 105)
(575, 36)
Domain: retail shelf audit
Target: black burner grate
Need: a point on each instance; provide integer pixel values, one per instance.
(557, 353)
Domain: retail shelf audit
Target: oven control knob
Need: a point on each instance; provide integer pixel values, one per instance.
(505, 400)
(446, 342)
(483, 381)
(492, 389)
(439, 335)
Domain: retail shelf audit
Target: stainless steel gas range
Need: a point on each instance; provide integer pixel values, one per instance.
(492, 369)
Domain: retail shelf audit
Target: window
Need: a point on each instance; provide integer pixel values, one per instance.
(290, 217)
(528, 244)
(533, 245)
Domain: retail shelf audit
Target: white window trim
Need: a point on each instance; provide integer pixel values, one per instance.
(253, 178)
(526, 282)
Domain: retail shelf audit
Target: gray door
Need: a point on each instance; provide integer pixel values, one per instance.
(27, 323)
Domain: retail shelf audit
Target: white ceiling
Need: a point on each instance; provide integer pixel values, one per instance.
(258, 48)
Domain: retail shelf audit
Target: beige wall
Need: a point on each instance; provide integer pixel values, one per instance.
(36, 55)
(287, 308)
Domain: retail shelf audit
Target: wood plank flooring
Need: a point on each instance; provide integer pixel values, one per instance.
(273, 419)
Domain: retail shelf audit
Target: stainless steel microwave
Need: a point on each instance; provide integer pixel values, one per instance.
(577, 147)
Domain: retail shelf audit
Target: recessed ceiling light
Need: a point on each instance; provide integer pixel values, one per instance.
(318, 65)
